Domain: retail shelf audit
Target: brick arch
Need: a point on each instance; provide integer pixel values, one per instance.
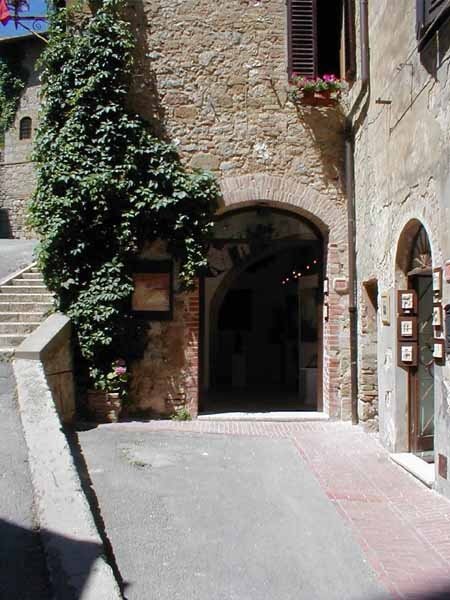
(326, 212)
(329, 214)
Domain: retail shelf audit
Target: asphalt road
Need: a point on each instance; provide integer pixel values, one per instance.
(206, 517)
(23, 574)
(15, 255)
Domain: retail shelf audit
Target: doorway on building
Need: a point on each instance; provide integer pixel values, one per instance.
(421, 378)
(263, 315)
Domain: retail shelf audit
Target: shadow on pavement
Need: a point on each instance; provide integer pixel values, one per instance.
(438, 593)
(23, 570)
(88, 489)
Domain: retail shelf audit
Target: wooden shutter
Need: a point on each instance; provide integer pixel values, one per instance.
(433, 8)
(302, 40)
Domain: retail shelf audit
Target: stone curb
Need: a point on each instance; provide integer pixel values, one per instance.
(73, 547)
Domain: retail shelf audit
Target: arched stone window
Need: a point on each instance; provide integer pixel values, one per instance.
(25, 128)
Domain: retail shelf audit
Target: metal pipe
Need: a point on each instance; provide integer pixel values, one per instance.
(351, 205)
(353, 292)
(364, 40)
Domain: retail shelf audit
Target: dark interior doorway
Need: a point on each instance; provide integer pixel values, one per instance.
(266, 333)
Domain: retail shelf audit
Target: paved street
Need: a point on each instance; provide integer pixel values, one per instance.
(252, 511)
(23, 574)
(14, 255)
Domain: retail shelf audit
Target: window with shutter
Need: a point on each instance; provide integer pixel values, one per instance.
(321, 38)
(302, 16)
(431, 14)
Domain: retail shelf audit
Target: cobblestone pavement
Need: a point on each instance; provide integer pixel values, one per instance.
(402, 526)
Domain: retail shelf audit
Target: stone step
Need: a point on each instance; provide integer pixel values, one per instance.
(25, 306)
(11, 340)
(25, 298)
(21, 317)
(24, 289)
(22, 328)
(22, 281)
(30, 275)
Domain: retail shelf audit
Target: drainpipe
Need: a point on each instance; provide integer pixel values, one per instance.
(351, 209)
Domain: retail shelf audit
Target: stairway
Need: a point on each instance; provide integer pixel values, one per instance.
(24, 302)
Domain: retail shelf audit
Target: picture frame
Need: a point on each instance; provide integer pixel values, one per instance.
(385, 308)
(439, 350)
(326, 286)
(407, 354)
(326, 312)
(438, 315)
(407, 329)
(152, 297)
(437, 281)
(407, 302)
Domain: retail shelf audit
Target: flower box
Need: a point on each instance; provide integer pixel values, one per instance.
(320, 91)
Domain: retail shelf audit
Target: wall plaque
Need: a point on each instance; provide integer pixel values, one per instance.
(407, 354)
(153, 293)
(438, 320)
(407, 302)
(437, 281)
(439, 350)
(385, 309)
(407, 329)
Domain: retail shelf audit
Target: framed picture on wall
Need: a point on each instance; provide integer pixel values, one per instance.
(407, 354)
(439, 350)
(385, 309)
(407, 329)
(326, 285)
(326, 312)
(407, 302)
(438, 319)
(153, 289)
(437, 281)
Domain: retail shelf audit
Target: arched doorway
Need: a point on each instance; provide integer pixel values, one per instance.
(262, 314)
(415, 273)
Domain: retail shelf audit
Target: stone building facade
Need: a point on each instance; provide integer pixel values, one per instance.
(402, 179)
(17, 179)
(213, 80)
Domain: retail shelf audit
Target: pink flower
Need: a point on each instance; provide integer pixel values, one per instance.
(120, 370)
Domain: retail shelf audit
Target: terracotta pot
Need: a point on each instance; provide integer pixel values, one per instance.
(308, 96)
(104, 407)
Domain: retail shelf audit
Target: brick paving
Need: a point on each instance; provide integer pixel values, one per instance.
(402, 526)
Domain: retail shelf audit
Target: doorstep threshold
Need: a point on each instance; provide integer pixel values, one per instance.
(275, 416)
(419, 468)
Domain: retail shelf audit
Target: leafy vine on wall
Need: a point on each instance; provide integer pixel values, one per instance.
(106, 185)
(12, 83)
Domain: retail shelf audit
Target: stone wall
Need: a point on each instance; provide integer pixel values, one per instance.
(212, 78)
(17, 178)
(402, 173)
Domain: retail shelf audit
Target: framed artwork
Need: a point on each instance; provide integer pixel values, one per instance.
(439, 350)
(385, 309)
(407, 329)
(437, 281)
(326, 285)
(407, 354)
(438, 320)
(153, 289)
(407, 302)
(326, 312)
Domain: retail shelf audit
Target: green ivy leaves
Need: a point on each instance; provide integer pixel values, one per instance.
(106, 185)
(12, 82)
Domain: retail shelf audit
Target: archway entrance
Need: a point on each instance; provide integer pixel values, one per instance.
(418, 277)
(263, 311)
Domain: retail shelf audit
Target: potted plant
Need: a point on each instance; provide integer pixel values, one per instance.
(323, 90)
(109, 391)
